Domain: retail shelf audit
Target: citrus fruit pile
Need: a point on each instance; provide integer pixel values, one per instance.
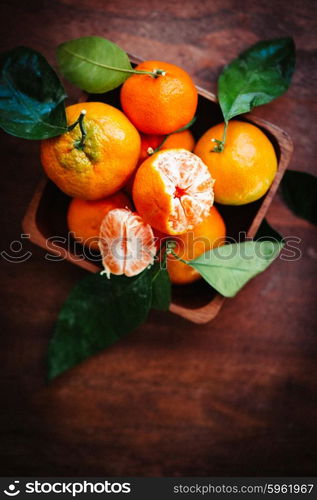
(137, 178)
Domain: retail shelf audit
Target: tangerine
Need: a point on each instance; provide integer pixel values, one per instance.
(101, 164)
(84, 217)
(245, 169)
(210, 233)
(126, 243)
(161, 104)
(173, 191)
(184, 140)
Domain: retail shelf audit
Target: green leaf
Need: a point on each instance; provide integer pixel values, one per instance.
(97, 313)
(31, 96)
(256, 77)
(299, 190)
(267, 232)
(229, 267)
(161, 287)
(86, 62)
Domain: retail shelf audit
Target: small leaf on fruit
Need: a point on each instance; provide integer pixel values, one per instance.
(259, 75)
(93, 64)
(229, 267)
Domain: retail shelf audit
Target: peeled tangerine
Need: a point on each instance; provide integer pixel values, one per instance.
(126, 243)
(173, 191)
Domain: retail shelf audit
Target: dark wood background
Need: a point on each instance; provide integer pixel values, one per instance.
(234, 397)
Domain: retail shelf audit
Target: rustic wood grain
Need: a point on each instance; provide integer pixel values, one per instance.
(236, 397)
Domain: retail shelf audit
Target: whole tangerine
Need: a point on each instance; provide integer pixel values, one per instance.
(159, 104)
(102, 163)
(246, 167)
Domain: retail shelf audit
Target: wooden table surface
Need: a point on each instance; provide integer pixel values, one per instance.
(233, 397)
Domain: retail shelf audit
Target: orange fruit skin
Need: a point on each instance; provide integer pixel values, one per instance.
(159, 105)
(109, 157)
(184, 140)
(160, 192)
(208, 234)
(84, 217)
(245, 169)
(126, 243)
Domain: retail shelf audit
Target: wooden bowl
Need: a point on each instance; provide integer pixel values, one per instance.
(45, 217)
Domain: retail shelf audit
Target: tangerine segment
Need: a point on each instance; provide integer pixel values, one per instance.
(126, 243)
(84, 217)
(245, 168)
(106, 161)
(173, 191)
(210, 233)
(159, 105)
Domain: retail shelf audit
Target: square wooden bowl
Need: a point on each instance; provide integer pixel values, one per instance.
(46, 214)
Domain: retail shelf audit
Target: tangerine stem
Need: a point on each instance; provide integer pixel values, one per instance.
(182, 129)
(79, 144)
(159, 253)
(177, 257)
(156, 72)
(169, 250)
(220, 145)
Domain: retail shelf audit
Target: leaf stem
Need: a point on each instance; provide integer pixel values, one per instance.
(169, 251)
(161, 254)
(155, 73)
(151, 151)
(79, 144)
(220, 145)
(178, 258)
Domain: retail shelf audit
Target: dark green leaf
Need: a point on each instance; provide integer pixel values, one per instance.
(97, 313)
(257, 76)
(31, 96)
(86, 62)
(299, 190)
(229, 267)
(161, 287)
(267, 232)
